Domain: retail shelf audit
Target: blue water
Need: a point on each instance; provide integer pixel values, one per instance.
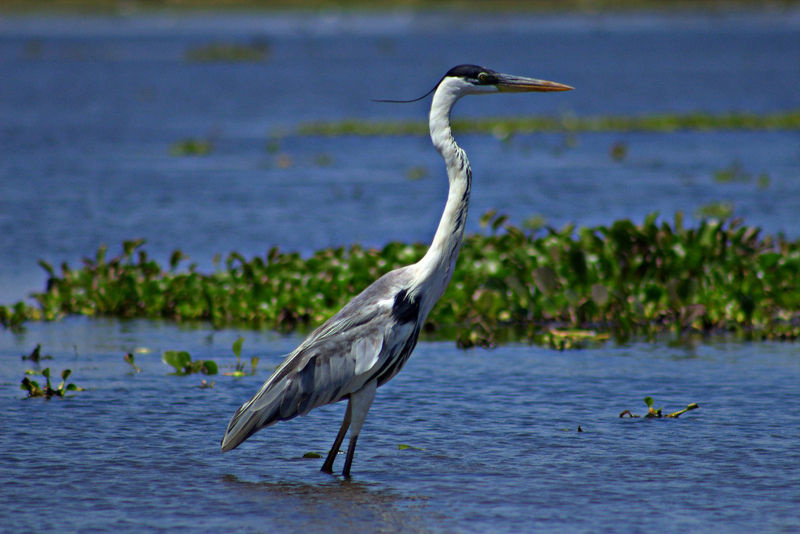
(498, 433)
(89, 108)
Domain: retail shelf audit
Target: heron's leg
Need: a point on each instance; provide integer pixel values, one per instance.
(360, 401)
(327, 467)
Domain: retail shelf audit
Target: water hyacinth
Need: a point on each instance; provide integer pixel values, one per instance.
(502, 127)
(558, 287)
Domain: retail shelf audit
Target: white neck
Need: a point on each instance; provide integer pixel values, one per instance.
(435, 269)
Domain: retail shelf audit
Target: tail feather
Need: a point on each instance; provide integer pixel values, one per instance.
(294, 389)
(261, 411)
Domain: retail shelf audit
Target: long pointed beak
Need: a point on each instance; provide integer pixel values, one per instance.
(517, 84)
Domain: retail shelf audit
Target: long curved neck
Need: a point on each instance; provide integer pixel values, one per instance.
(436, 267)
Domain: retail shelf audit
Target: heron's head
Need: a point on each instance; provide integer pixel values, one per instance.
(475, 80)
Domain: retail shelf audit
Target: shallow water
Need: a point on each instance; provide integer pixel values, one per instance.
(497, 429)
(90, 108)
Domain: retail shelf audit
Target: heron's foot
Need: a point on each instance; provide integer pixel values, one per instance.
(327, 467)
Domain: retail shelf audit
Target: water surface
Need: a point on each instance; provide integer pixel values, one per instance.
(498, 433)
(90, 109)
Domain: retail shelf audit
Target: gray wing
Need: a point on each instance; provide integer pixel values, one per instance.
(338, 358)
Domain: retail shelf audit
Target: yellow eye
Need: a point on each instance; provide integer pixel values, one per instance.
(483, 77)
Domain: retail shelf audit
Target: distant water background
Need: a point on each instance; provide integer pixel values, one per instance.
(91, 106)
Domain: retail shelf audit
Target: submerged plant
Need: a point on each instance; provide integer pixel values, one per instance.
(35, 390)
(183, 364)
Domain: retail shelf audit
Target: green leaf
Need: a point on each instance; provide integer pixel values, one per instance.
(486, 218)
(129, 246)
(403, 446)
(65, 374)
(47, 267)
(177, 359)
(210, 367)
(599, 294)
(649, 401)
(237, 347)
(498, 222)
(768, 260)
(176, 258)
(312, 455)
(545, 279)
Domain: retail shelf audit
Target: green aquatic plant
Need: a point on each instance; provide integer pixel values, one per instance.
(542, 285)
(735, 173)
(715, 210)
(229, 52)
(191, 147)
(571, 339)
(403, 446)
(182, 362)
(48, 391)
(239, 369)
(653, 413)
(618, 151)
(129, 359)
(36, 355)
(503, 128)
(417, 172)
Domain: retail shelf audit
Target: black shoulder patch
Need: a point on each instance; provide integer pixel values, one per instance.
(405, 308)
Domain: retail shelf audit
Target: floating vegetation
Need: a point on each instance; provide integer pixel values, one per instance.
(237, 350)
(503, 128)
(312, 455)
(653, 413)
(417, 173)
(36, 355)
(571, 339)
(191, 147)
(182, 362)
(229, 52)
(736, 173)
(619, 151)
(556, 287)
(720, 211)
(731, 174)
(35, 390)
(129, 359)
